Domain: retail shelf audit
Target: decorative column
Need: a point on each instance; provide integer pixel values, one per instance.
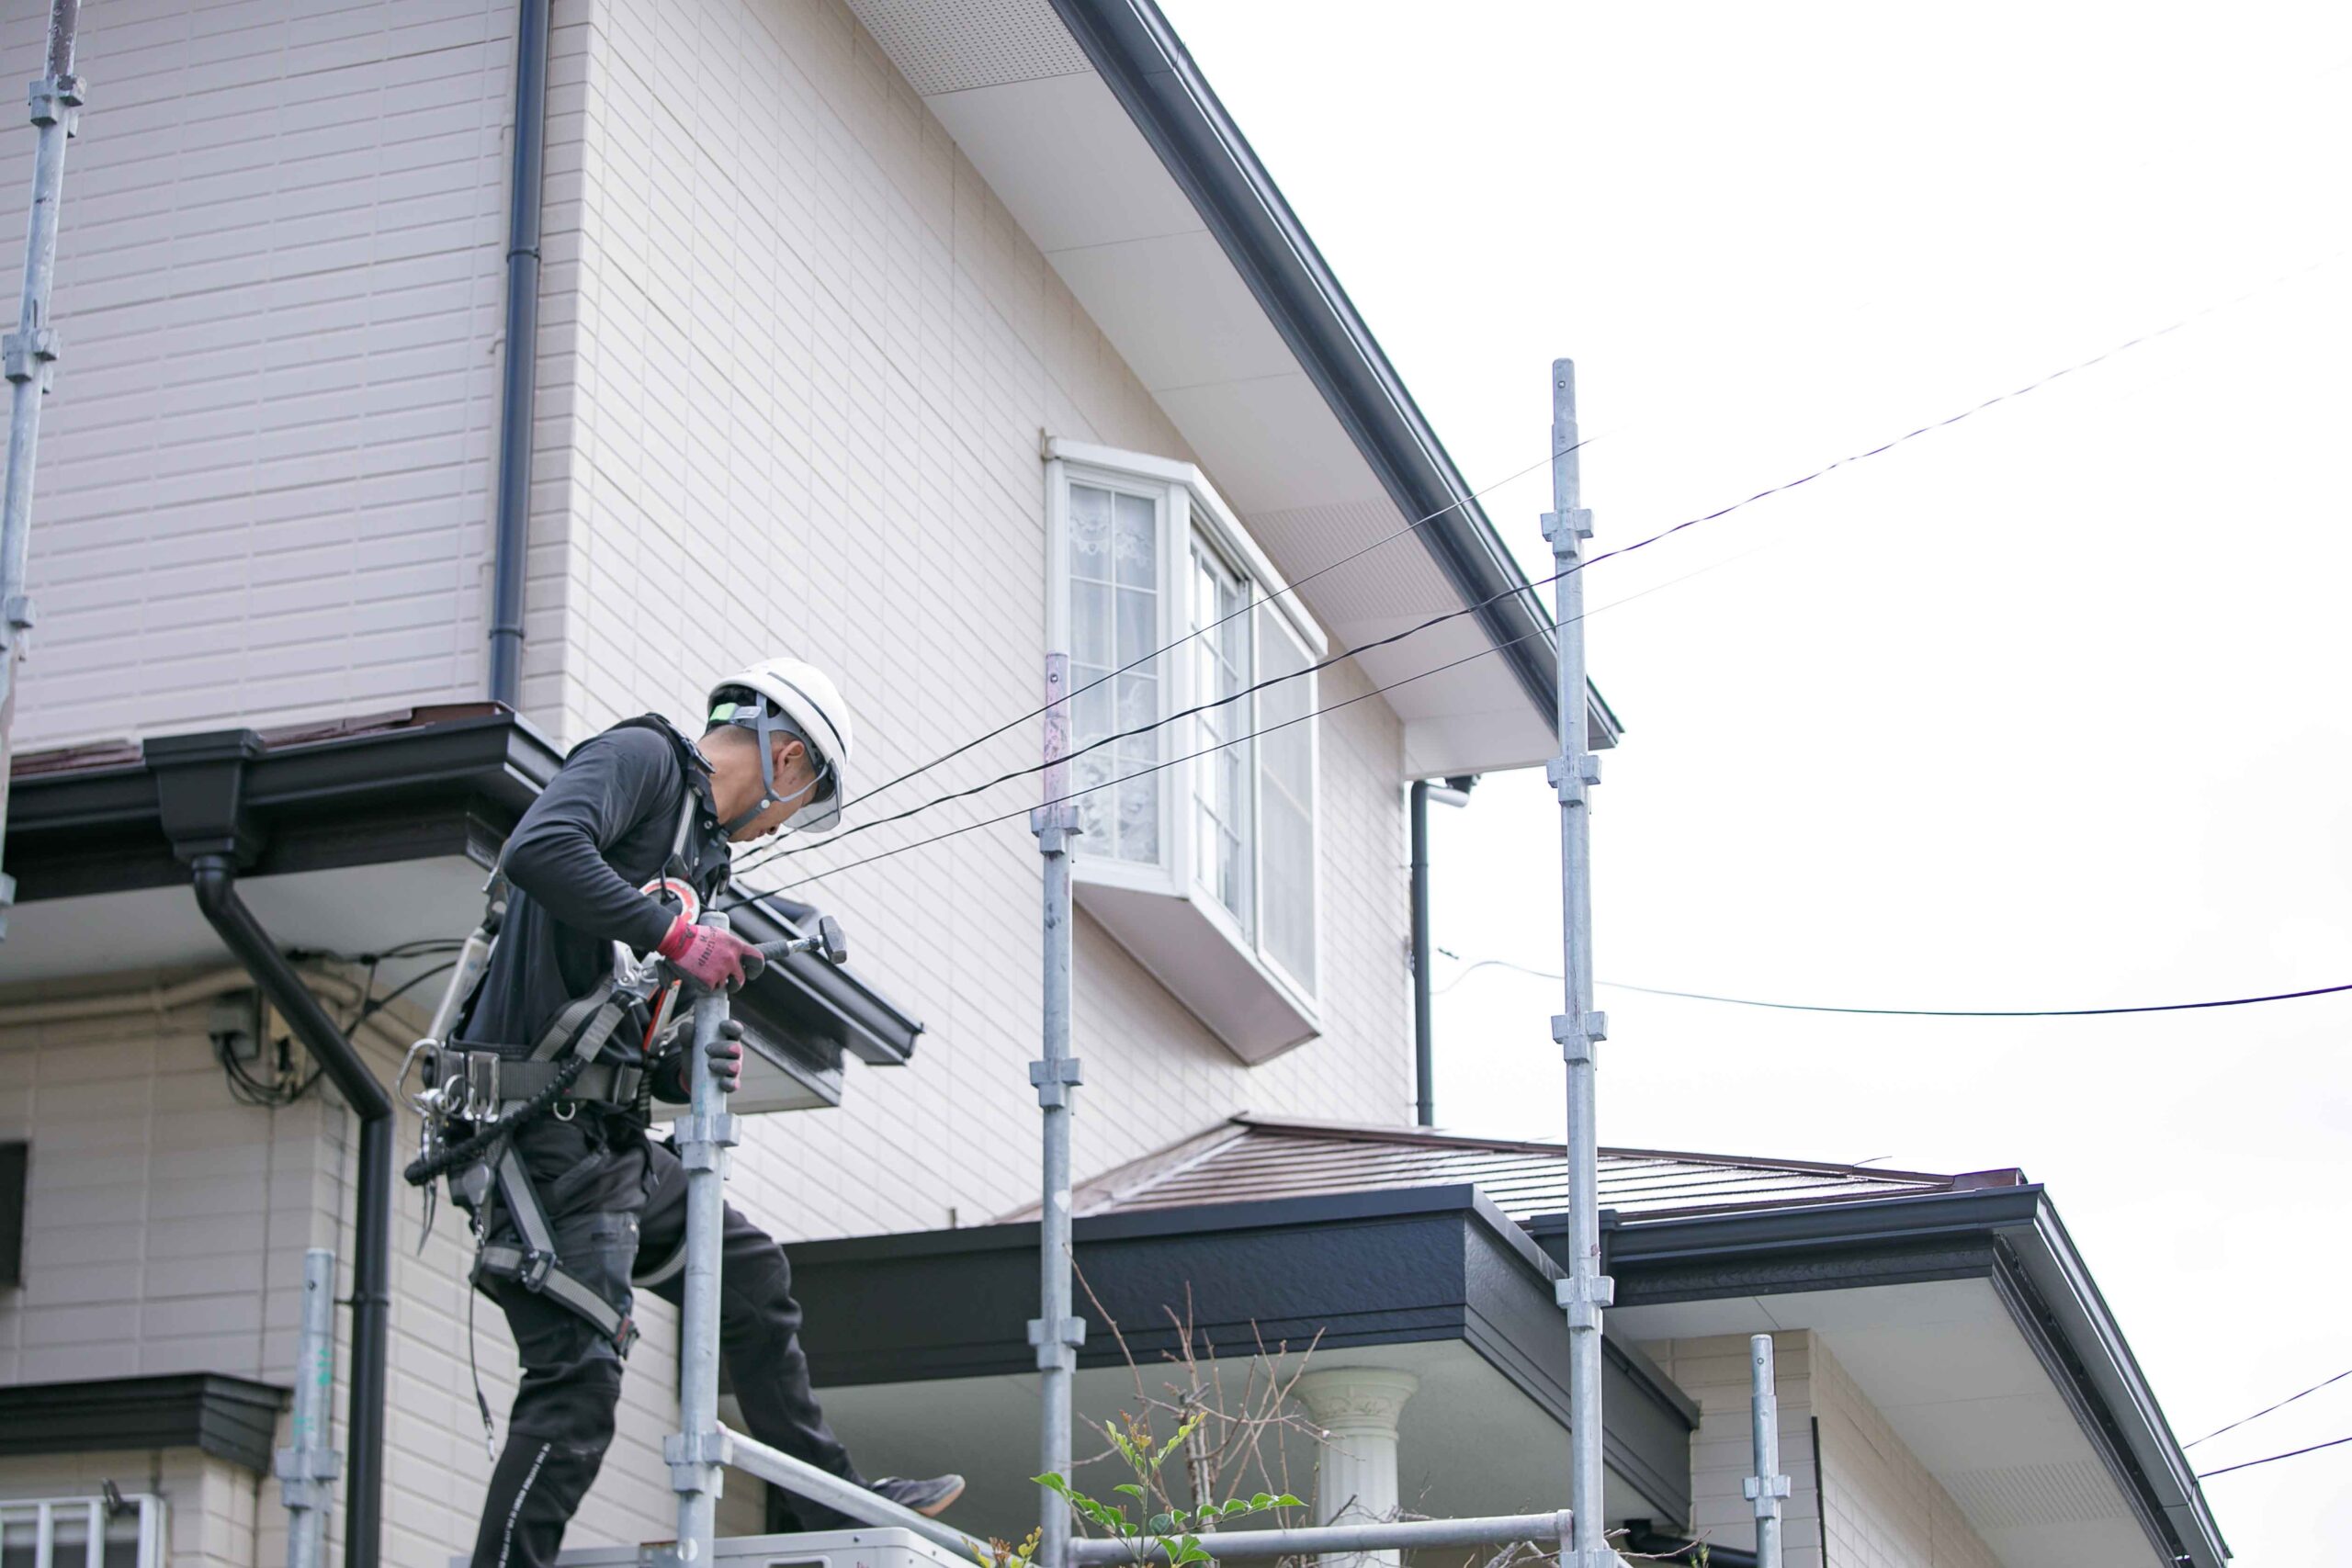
(1355, 1466)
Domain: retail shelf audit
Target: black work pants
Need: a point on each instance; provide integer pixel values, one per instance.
(615, 1200)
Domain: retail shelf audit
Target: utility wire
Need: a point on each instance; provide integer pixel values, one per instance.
(2273, 1459)
(1933, 1012)
(784, 849)
(754, 896)
(2265, 1410)
(1140, 659)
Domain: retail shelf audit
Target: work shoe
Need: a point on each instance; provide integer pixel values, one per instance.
(929, 1498)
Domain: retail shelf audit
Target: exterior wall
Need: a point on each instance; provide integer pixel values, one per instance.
(1884, 1510)
(164, 1231)
(265, 468)
(210, 1507)
(1714, 1371)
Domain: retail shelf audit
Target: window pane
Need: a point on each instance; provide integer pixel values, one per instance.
(1114, 597)
(1286, 796)
(1222, 829)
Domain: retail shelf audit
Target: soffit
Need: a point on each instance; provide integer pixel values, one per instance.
(1080, 179)
(1944, 1364)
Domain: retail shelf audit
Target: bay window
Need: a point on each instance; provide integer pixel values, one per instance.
(1197, 849)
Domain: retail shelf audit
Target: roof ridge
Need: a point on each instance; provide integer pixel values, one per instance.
(1298, 1126)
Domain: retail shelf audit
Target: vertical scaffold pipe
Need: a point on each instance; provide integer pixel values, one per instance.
(1585, 1290)
(1056, 1332)
(307, 1466)
(29, 353)
(1768, 1485)
(698, 1451)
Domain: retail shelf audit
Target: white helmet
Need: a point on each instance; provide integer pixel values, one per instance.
(799, 699)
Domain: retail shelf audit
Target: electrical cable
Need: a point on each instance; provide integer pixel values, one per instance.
(1288, 588)
(2273, 1459)
(2265, 1410)
(378, 1004)
(753, 896)
(1931, 1013)
(784, 849)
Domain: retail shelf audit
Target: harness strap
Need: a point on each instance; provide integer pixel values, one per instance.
(666, 1270)
(535, 1265)
(506, 1262)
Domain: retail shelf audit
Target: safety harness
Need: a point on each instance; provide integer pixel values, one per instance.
(496, 1095)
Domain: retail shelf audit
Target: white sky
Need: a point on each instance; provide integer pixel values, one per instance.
(2047, 710)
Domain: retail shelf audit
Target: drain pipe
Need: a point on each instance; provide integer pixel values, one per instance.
(372, 1298)
(1643, 1539)
(1453, 792)
(511, 531)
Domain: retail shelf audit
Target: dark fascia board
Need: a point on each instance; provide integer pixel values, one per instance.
(1404, 1266)
(1147, 67)
(446, 784)
(228, 1418)
(2009, 1236)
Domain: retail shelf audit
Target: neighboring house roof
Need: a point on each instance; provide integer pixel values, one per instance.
(1706, 1244)
(1094, 126)
(1253, 1157)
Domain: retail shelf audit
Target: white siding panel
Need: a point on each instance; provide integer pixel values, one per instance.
(266, 469)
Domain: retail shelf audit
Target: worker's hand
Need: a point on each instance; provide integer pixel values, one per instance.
(710, 957)
(726, 1054)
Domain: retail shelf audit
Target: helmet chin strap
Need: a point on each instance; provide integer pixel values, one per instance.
(767, 726)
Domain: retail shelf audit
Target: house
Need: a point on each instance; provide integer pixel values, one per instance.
(914, 335)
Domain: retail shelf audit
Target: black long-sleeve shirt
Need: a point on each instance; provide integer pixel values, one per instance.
(578, 862)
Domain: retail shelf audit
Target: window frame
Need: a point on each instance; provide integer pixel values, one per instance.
(43, 1513)
(1190, 507)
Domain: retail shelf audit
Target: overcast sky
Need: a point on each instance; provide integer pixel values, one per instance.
(2045, 710)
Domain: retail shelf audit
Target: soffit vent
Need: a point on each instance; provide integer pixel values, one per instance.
(959, 44)
(2026, 1495)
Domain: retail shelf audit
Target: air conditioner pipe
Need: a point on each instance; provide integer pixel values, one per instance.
(215, 877)
(1453, 792)
(511, 530)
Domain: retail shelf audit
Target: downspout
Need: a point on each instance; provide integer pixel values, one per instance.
(511, 530)
(200, 788)
(1453, 792)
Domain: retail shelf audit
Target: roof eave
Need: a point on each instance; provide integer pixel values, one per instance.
(1147, 67)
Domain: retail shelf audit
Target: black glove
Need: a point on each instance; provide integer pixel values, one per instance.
(671, 1082)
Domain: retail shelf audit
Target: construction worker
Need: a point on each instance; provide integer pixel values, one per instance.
(638, 807)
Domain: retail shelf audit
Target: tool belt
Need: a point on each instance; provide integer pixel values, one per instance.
(483, 1085)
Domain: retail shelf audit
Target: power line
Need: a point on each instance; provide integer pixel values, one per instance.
(784, 849)
(2265, 1410)
(1414, 526)
(2273, 1459)
(1929, 1012)
(1979, 1012)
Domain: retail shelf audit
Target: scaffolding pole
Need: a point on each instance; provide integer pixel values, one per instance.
(697, 1451)
(1768, 1485)
(28, 354)
(1056, 1332)
(1585, 1290)
(307, 1465)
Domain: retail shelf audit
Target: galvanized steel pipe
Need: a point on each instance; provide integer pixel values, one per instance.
(1056, 1332)
(307, 1465)
(705, 1134)
(1402, 1535)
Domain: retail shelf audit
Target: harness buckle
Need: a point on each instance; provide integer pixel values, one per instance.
(625, 1335)
(532, 1275)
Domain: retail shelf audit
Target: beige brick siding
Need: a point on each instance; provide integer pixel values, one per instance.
(1883, 1509)
(1714, 1371)
(212, 1507)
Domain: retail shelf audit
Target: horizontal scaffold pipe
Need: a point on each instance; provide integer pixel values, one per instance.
(1405, 1534)
(805, 1480)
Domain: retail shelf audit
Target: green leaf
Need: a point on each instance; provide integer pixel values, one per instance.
(1131, 1489)
(1162, 1523)
(1263, 1500)
(1287, 1501)
(1051, 1482)
(1236, 1506)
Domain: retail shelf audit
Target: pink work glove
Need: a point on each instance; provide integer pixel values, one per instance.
(710, 957)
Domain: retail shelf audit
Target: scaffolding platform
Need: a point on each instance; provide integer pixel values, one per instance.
(882, 1547)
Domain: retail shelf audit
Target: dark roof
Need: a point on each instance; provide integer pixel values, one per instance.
(1253, 1157)
(403, 784)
